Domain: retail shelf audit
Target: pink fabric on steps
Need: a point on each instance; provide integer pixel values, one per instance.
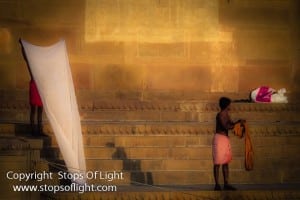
(221, 149)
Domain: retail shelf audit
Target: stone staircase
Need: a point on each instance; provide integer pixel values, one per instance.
(169, 143)
(176, 194)
(19, 155)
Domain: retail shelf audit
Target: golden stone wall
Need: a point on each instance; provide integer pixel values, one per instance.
(158, 48)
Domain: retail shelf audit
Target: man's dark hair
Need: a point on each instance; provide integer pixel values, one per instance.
(224, 102)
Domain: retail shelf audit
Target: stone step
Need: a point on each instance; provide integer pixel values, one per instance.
(266, 161)
(139, 177)
(171, 141)
(152, 150)
(109, 135)
(16, 155)
(139, 152)
(144, 164)
(139, 115)
(157, 158)
(180, 128)
(124, 134)
(161, 105)
(165, 156)
(188, 153)
(179, 116)
(163, 111)
(7, 129)
(185, 153)
(174, 177)
(157, 128)
(179, 192)
(153, 164)
(157, 116)
(174, 141)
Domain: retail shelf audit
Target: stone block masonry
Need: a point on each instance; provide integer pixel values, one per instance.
(158, 49)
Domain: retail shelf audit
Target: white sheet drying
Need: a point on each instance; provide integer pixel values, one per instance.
(51, 71)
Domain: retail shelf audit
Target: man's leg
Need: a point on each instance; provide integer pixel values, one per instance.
(40, 119)
(225, 169)
(32, 114)
(216, 176)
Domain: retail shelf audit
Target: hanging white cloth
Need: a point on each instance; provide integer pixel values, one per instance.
(51, 71)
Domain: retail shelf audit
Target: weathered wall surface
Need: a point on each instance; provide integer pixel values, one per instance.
(157, 48)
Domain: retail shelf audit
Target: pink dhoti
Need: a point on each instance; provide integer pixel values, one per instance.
(221, 149)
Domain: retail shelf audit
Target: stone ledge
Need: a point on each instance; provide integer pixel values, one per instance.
(177, 193)
(13, 145)
(186, 106)
(162, 129)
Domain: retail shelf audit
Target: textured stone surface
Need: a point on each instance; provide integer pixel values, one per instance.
(171, 141)
(18, 155)
(184, 195)
(119, 49)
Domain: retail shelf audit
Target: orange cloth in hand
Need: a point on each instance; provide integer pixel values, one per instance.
(241, 129)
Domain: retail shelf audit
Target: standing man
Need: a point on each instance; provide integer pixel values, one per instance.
(221, 147)
(35, 104)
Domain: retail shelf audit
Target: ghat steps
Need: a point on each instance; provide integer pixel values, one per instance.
(198, 111)
(181, 193)
(169, 143)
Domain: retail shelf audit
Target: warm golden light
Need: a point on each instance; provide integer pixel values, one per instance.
(161, 22)
(5, 41)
